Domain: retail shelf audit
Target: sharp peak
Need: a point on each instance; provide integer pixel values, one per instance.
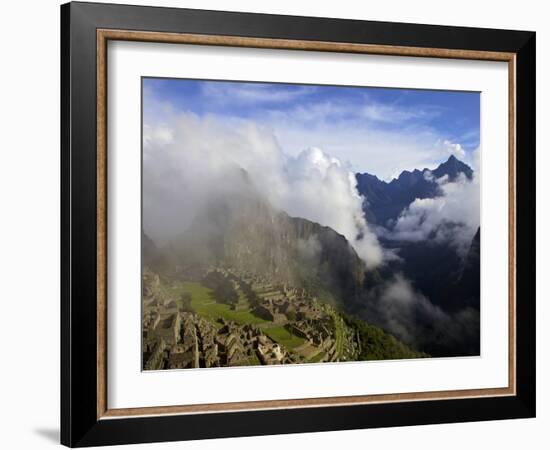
(454, 161)
(451, 159)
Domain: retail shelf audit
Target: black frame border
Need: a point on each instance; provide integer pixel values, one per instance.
(79, 423)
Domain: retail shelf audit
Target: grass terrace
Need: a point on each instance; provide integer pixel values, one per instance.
(205, 305)
(284, 337)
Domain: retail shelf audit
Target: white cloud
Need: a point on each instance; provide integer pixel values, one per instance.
(404, 311)
(253, 93)
(366, 135)
(358, 141)
(452, 148)
(452, 217)
(395, 114)
(399, 308)
(189, 159)
(319, 188)
(363, 109)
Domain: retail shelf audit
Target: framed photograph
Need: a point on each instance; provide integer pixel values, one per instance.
(276, 224)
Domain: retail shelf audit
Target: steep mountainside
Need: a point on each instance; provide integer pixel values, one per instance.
(246, 233)
(445, 278)
(466, 291)
(432, 266)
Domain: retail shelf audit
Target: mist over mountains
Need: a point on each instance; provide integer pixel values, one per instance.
(385, 201)
(430, 248)
(429, 219)
(285, 187)
(243, 230)
(426, 292)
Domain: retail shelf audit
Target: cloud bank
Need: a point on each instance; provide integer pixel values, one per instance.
(452, 217)
(381, 131)
(189, 159)
(363, 141)
(398, 308)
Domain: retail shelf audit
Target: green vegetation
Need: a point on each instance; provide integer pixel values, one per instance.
(338, 324)
(377, 344)
(317, 358)
(254, 360)
(204, 304)
(284, 337)
(314, 284)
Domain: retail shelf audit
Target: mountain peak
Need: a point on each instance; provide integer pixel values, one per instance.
(386, 200)
(453, 167)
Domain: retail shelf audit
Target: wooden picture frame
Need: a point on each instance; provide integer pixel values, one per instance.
(86, 418)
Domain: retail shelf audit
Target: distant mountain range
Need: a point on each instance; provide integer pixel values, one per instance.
(435, 269)
(432, 266)
(384, 201)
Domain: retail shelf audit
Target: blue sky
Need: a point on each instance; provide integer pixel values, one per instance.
(377, 130)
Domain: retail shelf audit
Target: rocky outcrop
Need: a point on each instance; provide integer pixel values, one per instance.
(248, 234)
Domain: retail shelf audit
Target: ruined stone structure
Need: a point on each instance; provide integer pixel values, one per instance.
(178, 339)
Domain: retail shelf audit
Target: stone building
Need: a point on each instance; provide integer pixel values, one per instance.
(167, 328)
(154, 360)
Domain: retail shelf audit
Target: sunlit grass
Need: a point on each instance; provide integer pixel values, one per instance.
(205, 305)
(284, 337)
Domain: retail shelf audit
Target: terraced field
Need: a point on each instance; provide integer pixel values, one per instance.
(284, 337)
(204, 304)
(309, 351)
